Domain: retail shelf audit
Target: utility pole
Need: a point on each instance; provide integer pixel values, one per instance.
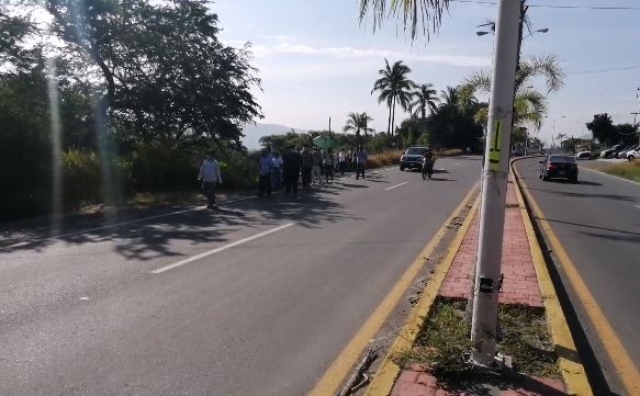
(484, 322)
(329, 124)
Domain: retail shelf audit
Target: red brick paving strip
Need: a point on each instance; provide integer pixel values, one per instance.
(520, 287)
(520, 281)
(418, 383)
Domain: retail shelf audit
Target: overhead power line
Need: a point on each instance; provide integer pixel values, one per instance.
(604, 70)
(559, 6)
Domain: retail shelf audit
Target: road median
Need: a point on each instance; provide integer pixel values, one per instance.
(528, 296)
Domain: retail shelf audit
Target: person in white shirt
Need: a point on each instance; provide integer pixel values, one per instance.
(342, 161)
(277, 172)
(265, 168)
(210, 177)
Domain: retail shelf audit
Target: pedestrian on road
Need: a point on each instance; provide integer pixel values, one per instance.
(329, 163)
(265, 170)
(307, 166)
(291, 164)
(342, 161)
(210, 177)
(316, 171)
(276, 175)
(349, 160)
(361, 158)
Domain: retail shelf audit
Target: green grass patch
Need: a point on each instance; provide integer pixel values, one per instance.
(444, 343)
(629, 170)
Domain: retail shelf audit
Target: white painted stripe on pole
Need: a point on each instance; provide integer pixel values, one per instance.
(396, 186)
(220, 249)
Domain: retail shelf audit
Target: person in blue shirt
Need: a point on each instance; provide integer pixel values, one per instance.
(361, 158)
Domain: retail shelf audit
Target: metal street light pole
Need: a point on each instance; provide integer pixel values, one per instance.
(485, 305)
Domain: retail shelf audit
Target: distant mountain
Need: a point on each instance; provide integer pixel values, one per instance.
(253, 133)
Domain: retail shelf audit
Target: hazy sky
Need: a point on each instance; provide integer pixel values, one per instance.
(317, 61)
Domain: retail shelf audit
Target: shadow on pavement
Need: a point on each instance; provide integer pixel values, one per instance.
(616, 197)
(147, 240)
(442, 179)
(628, 237)
(631, 233)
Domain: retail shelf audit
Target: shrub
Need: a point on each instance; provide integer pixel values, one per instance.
(161, 167)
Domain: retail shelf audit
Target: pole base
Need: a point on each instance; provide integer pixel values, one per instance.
(502, 364)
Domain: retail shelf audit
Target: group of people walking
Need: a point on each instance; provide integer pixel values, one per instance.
(277, 172)
(311, 165)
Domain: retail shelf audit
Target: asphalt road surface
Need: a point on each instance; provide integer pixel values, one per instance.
(598, 223)
(257, 298)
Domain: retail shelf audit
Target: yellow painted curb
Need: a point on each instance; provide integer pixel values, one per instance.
(624, 366)
(382, 383)
(329, 383)
(571, 367)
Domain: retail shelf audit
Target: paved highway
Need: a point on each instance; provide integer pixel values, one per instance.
(255, 299)
(598, 223)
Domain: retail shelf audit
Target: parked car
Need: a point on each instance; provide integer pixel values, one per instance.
(623, 153)
(610, 152)
(412, 157)
(633, 154)
(559, 167)
(583, 155)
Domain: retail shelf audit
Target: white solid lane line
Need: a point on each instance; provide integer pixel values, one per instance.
(638, 206)
(396, 186)
(220, 249)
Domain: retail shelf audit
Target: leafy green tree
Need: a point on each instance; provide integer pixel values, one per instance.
(394, 87)
(424, 99)
(358, 122)
(530, 104)
(628, 133)
(164, 75)
(603, 129)
(418, 15)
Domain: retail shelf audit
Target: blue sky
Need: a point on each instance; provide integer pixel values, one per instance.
(316, 61)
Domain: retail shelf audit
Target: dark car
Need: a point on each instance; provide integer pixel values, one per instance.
(412, 157)
(559, 167)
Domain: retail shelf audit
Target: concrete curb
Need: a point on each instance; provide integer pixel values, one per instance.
(571, 366)
(384, 380)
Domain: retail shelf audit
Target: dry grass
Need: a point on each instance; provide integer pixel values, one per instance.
(444, 344)
(629, 170)
(450, 153)
(389, 158)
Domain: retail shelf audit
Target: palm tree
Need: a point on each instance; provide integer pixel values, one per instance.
(358, 122)
(424, 98)
(450, 96)
(394, 87)
(530, 104)
(427, 13)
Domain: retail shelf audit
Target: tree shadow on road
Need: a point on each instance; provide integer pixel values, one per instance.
(153, 238)
(631, 233)
(616, 197)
